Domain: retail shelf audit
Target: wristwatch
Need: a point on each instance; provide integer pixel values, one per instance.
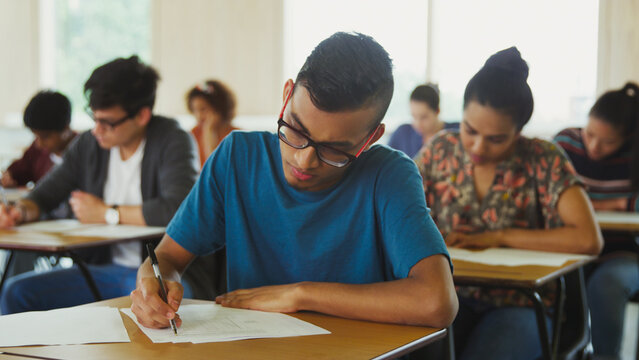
(112, 215)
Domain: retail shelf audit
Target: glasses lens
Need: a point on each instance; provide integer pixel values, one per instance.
(292, 137)
(332, 157)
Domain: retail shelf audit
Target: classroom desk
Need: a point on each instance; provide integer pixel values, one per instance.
(528, 279)
(618, 221)
(349, 339)
(57, 243)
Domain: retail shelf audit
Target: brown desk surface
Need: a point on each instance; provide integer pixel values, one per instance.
(528, 276)
(55, 242)
(625, 221)
(349, 339)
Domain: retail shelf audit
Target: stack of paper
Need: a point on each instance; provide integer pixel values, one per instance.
(76, 325)
(215, 323)
(513, 257)
(70, 227)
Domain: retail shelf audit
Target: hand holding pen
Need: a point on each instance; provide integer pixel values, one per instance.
(158, 275)
(10, 215)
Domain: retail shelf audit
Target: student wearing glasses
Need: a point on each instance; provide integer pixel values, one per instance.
(316, 217)
(133, 167)
(489, 186)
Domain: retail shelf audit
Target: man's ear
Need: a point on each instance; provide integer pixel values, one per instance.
(378, 134)
(144, 116)
(288, 87)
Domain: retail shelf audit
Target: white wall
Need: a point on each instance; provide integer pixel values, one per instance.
(19, 63)
(239, 42)
(618, 59)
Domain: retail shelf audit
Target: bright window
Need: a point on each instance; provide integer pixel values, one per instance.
(78, 36)
(558, 39)
(399, 26)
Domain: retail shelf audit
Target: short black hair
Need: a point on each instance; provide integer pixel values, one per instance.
(348, 71)
(620, 108)
(428, 93)
(128, 83)
(48, 110)
(501, 84)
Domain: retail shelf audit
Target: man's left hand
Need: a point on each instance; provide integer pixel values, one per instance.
(87, 208)
(275, 298)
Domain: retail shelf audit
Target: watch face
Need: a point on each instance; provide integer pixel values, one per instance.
(112, 217)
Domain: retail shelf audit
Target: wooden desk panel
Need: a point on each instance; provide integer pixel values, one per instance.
(529, 276)
(618, 221)
(54, 242)
(349, 339)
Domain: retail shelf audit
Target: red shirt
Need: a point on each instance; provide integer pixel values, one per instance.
(33, 165)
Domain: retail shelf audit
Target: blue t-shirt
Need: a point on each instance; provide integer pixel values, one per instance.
(370, 227)
(409, 141)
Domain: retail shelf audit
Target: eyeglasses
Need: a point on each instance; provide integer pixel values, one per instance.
(108, 123)
(325, 153)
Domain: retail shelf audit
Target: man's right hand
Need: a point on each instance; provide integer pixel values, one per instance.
(10, 216)
(148, 307)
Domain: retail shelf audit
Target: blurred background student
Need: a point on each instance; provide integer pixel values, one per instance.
(213, 105)
(48, 116)
(424, 109)
(606, 155)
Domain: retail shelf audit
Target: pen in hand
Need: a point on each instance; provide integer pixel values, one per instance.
(158, 275)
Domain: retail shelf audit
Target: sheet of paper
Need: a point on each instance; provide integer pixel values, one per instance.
(116, 231)
(513, 257)
(617, 217)
(54, 226)
(75, 325)
(213, 323)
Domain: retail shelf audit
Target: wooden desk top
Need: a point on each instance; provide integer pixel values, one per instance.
(57, 242)
(528, 276)
(349, 339)
(618, 221)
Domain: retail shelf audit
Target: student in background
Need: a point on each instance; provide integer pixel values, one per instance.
(48, 116)
(213, 105)
(133, 167)
(606, 155)
(489, 186)
(313, 218)
(424, 109)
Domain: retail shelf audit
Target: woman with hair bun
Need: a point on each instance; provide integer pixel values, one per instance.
(213, 105)
(606, 155)
(489, 186)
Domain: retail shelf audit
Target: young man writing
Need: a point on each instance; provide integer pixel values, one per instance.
(314, 218)
(133, 167)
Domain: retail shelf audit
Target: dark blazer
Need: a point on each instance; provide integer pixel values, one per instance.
(169, 170)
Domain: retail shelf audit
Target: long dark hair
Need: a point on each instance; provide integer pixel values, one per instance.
(620, 108)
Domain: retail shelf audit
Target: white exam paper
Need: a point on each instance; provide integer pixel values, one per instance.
(54, 226)
(617, 217)
(116, 231)
(75, 325)
(513, 257)
(215, 323)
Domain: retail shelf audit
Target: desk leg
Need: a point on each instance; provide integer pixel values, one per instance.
(6, 269)
(540, 310)
(87, 275)
(450, 343)
(559, 313)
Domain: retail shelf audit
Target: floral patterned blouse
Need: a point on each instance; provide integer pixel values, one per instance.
(524, 194)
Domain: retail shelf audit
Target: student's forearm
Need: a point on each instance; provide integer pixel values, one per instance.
(383, 302)
(168, 270)
(131, 215)
(565, 239)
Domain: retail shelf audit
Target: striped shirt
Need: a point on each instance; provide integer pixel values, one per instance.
(608, 178)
